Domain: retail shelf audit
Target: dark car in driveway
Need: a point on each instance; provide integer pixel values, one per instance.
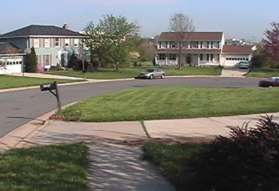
(152, 74)
(273, 82)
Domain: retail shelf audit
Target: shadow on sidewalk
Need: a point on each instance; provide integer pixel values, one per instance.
(120, 168)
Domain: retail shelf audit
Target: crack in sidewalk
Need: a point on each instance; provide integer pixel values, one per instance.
(145, 130)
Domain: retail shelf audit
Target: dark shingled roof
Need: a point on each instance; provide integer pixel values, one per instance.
(8, 48)
(40, 30)
(193, 36)
(238, 49)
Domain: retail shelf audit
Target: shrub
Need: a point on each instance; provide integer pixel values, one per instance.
(247, 160)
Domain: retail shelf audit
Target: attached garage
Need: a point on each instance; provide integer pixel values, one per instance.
(11, 59)
(232, 55)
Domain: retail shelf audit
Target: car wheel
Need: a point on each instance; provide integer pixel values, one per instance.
(151, 77)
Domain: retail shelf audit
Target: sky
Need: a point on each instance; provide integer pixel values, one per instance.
(237, 18)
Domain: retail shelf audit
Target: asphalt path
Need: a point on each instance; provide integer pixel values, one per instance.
(20, 107)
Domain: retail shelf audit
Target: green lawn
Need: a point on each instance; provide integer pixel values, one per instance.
(15, 81)
(174, 102)
(171, 160)
(55, 168)
(106, 73)
(264, 73)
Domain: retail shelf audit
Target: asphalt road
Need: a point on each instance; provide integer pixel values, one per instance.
(20, 107)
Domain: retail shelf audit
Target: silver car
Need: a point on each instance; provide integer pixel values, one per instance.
(152, 74)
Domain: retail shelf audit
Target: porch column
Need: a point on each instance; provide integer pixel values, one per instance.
(166, 59)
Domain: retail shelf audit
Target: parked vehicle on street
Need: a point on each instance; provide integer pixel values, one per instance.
(152, 74)
(244, 65)
(273, 82)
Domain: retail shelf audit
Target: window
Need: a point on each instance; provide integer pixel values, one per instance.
(218, 44)
(211, 44)
(67, 42)
(207, 44)
(47, 43)
(195, 44)
(76, 42)
(201, 57)
(46, 60)
(207, 57)
(162, 56)
(57, 42)
(36, 43)
(173, 45)
(172, 57)
(211, 57)
(185, 44)
(200, 44)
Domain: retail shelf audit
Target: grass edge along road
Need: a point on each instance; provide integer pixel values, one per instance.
(153, 103)
(106, 73)
(56, 168)
(9, 82)
(264, 73)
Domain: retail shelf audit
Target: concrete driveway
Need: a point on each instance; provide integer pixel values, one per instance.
(234, 72)
(20, 107)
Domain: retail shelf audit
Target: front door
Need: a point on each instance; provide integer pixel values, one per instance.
(188, 59)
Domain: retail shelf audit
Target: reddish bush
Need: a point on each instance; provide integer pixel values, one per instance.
(247, 160)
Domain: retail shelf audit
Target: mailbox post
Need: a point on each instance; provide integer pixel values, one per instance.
(53, 89)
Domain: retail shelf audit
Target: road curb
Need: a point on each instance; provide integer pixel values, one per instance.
(17, 137)
(88, 81)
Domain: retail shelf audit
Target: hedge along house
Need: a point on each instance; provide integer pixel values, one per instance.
(199, 49)
(11, 58)
(53, 45)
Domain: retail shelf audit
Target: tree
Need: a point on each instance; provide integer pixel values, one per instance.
(31, 61)
(118, 32)
(109, 40)
(182, 25)
(261, 58)
(271, 43)
(94, 40)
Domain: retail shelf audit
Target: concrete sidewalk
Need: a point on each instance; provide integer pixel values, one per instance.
(181, 130)
(114, 167)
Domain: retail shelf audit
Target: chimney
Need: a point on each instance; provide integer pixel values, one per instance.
(65, 26)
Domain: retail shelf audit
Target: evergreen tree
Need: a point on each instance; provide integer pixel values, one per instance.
(31, 61)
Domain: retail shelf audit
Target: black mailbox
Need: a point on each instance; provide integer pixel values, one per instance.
(53, 89)
(48, 87)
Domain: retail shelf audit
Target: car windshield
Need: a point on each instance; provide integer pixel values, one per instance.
(275, 79)
(150, 70)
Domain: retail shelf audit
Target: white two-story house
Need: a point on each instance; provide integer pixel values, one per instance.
(199, 49)
(53, 45)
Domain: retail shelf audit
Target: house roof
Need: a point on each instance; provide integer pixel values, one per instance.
(238, 49)
(8, 48)
(193, 36)
(40, 30)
